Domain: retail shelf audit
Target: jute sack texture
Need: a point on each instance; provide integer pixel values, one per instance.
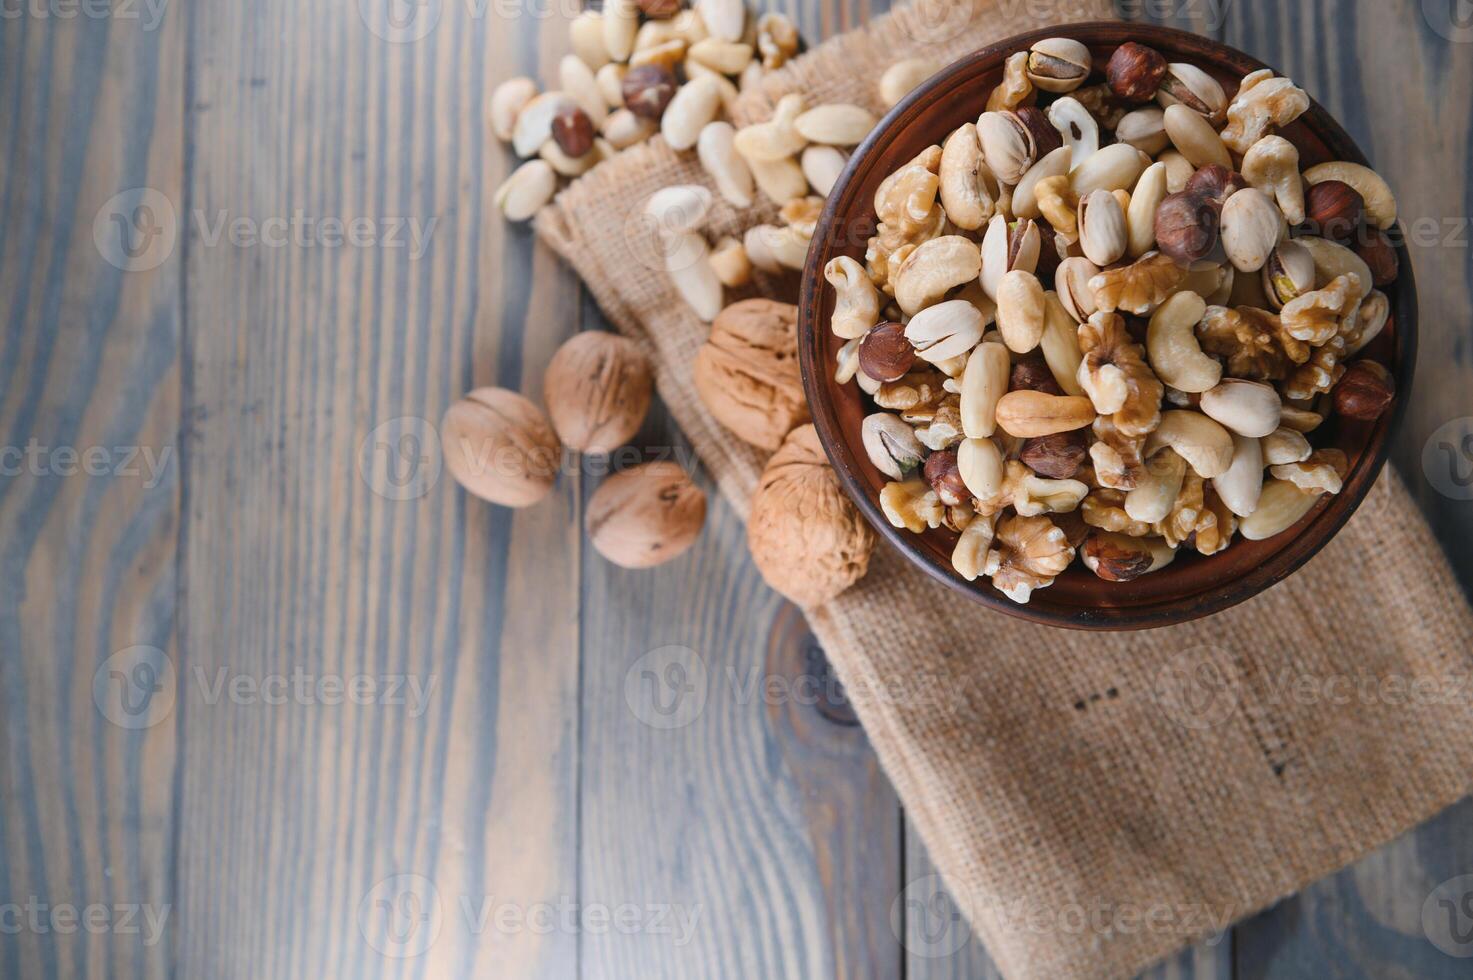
(1094, 802)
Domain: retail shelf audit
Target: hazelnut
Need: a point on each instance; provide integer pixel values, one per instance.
(1135, 72)
(1335, 209)
(1057, 457)
(1046, 139)
(884, 353)
(645, 516)
(648, 89)
(1365, 392)
(806, 536)
(572, 130)
(1117, 557)
(1377, 251)
(1216, 183)
(944, 475)
(1187, 227)
(500, 447)
(659, 9)
(1033, 374)
(597, 390)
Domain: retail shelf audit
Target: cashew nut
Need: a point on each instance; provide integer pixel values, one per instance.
(1248, 408)
(778, 138)
(1159, 486)
(1079, 129)
(966, 183)
(1280, 507)
(716, 149)
(1272, 166)
(1380, 201)
(1175, 353)
(1204, 444)
(1242, 484)
(856, 304)
(934, 269)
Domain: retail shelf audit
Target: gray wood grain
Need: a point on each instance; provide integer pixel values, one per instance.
(91, 136)
(293, 523)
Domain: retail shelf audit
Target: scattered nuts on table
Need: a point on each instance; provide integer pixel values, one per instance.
(1119, 306)
(641, 67)
(597, 389)
(500, 447)
(646, 515)
(806, 536)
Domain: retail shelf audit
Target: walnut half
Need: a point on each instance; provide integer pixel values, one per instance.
(1027, 555)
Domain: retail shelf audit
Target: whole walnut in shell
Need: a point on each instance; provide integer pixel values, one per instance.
(747, 372)
(500, 447)
(597, 391)
(646, 515)
(807, 538)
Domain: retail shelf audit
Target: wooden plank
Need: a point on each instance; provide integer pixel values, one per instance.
(1390, 72)
(301, 555)
(91, 125)
(713, 785)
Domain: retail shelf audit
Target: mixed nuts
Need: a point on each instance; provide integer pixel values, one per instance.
(1101, 322)
(637, 69)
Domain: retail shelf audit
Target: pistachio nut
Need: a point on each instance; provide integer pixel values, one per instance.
(1007, 144)
(891, 445)
(1252, 227)
(1059, 64)
(1192, 87)
(1007, 248)
(941, 332)
(1289, 273)
(1071, 279)
(1102, 229)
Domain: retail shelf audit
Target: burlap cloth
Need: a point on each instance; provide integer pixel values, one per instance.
(1094, 802)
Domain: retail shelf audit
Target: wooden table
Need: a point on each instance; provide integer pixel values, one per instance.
(245, 375)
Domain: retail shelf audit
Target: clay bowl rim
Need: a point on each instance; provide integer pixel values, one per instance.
(1297, 545)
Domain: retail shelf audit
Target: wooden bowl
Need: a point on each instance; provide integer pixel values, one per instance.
(1193, 586)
